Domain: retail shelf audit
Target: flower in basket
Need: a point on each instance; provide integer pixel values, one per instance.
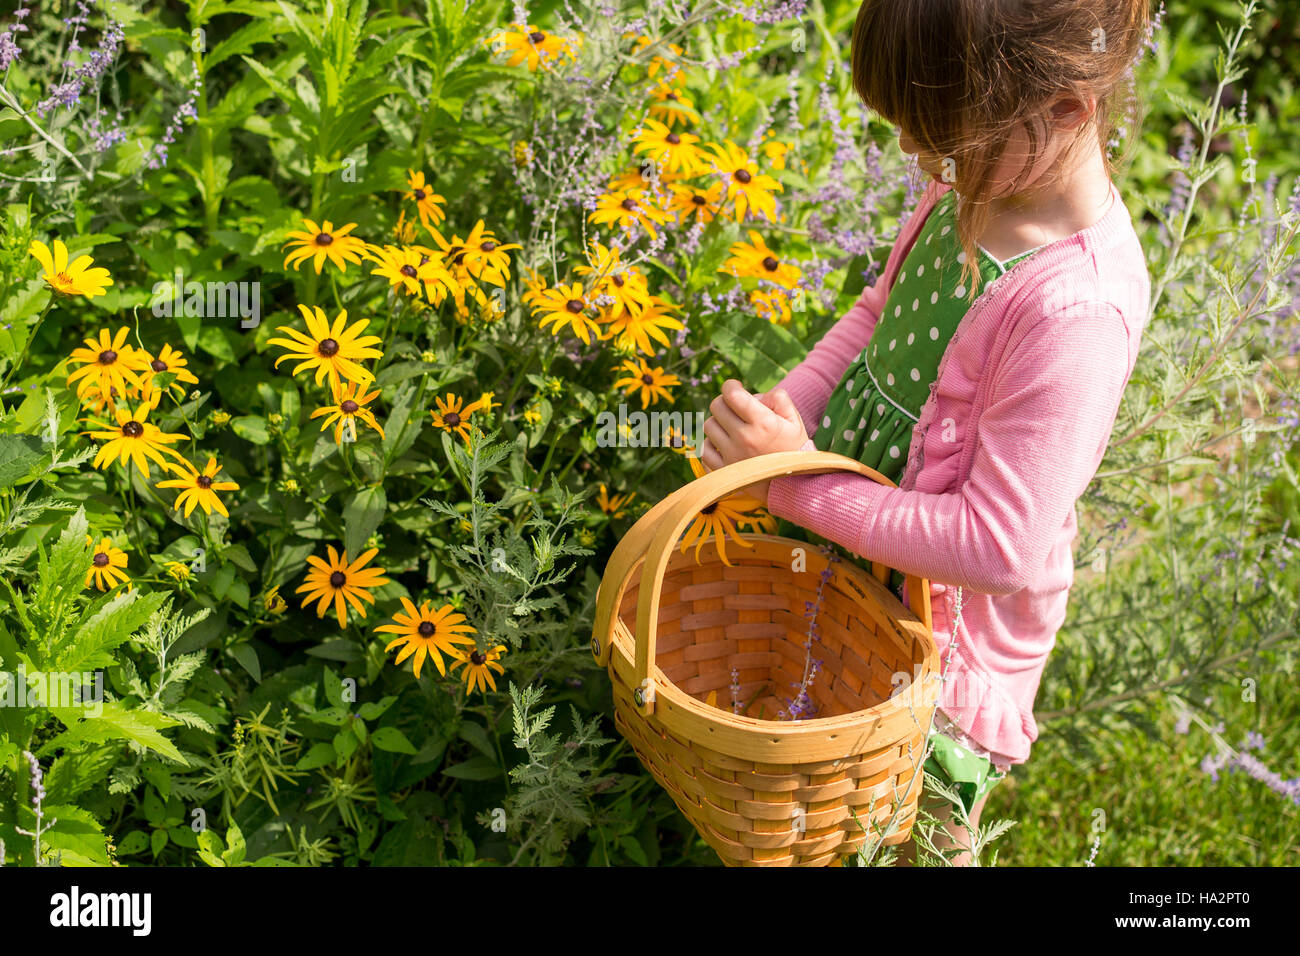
(719, 520)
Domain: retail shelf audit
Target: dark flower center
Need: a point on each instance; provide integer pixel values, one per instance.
(708, 509)
(770, 264)
(488, 246)
(742, 175)
(100, 559)
(107, 357)
(618, 281)
(673, 138)
(337, 579)
(458, 259)
(419, 194)
(536, 37)
(132, 429)
(628, 203)
(158, 365)
(324, 239)
(349, 406)
(574, 305)
(698, 200)
(671, 96)
(425, 628)
(408, 270)
(648, 378)
(203, 481)
(328, 347)
(452, 419)
(477, 659)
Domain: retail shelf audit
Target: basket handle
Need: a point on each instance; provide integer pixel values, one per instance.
(681, 507)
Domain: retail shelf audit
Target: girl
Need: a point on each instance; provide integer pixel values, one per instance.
(983, 372)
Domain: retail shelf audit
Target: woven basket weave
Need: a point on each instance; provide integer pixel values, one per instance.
(763, 791)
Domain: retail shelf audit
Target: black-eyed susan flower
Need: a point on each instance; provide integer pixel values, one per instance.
(719, 520)
(322, 242)
(168, 361)
(414, 270)
(178, 571)
(639, 176)
(341, 583)
(69, 278)
(349, 408)
(634, 330)
(670, 103)
(565, 305)
(425, 632)
(485, 255)
(620, 282)
(755, 259)
(200, 488)
(333, 350)
(479, 666)
(427, 202)
(613, 505)
(453, 415)
(534, 287)
(652, 383)
(107, 565)
(751, 190)
(771, 304)
(403, 231)
(673, 152)
(628, 208)
(536, 48)
(110, 366)
(273, 603)
(658, 61)
(134, 438)
(692, 202)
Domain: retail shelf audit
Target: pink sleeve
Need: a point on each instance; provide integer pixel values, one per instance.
(810, 382)
(1050, 410)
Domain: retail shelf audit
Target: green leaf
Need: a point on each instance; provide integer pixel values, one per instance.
(251, 428)
(392, 740)
(476, 735)
(476, 768)
(246, 654)
(361, 516)
(135, 842)
(762, 352)
(18, 453)
(320, 755)
(113, 624)
(115, 722)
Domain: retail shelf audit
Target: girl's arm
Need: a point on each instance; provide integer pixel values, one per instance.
(811, 381)
(1042, 434)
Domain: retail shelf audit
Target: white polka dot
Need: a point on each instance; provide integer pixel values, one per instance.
(934, 297)
(927, 239)
(945, 230)
(862, 423)
(880, 409)
(934, 334)
(848, 435)
(938, 261)
(959, 291)
(902, 276)
(892, 343)
(889, 379)
(826, 422)
(898, 310)
(916, 375)
(875, 434)
(893, 451)
(920, 270)
(848, 386)
(853, 403)
(916, 304)
(911, 337)
(961, 258)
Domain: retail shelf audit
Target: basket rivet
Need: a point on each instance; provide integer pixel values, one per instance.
(638, 695)
(595, 645)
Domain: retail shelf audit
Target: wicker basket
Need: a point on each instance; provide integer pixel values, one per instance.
(767, 792)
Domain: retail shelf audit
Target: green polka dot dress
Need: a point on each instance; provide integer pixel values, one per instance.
(871, 412)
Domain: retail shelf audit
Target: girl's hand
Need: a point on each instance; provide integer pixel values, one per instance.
(744, 426)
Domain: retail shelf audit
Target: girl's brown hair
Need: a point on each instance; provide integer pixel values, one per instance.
(959, 76)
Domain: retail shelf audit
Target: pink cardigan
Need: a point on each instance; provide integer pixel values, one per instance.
(1012, 434)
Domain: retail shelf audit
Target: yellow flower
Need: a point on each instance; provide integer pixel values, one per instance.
(76, 278)
(672, 105)
(613, 506)
(523, 153)
(751, 190)
(108, 366)
(272, 602)
(200, 488)
(627, 208)
(137, 440)
(658, 61)
(536, 286)
(427, 632)
(639, 177)
(426, 200)
(626, 286)
(349, 407)
(403, 231)
(775, 152)
(219, 418)
(106, 564)
(690, 201)
(177, 570)
(453, 415)
(719, 520)
(565, 305)
(322, 242)
(635, 330)
(168, 361)
(673, 152)
(527, 44)
(479, 666)
(486, 403)
(771, 304)
(652, 383)
(332, 350)
(485, 256)
(413, 270)
(756, 260)
(533, 413)
(342, 583)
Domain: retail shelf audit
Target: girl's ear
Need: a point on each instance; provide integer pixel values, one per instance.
(1069, 111)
